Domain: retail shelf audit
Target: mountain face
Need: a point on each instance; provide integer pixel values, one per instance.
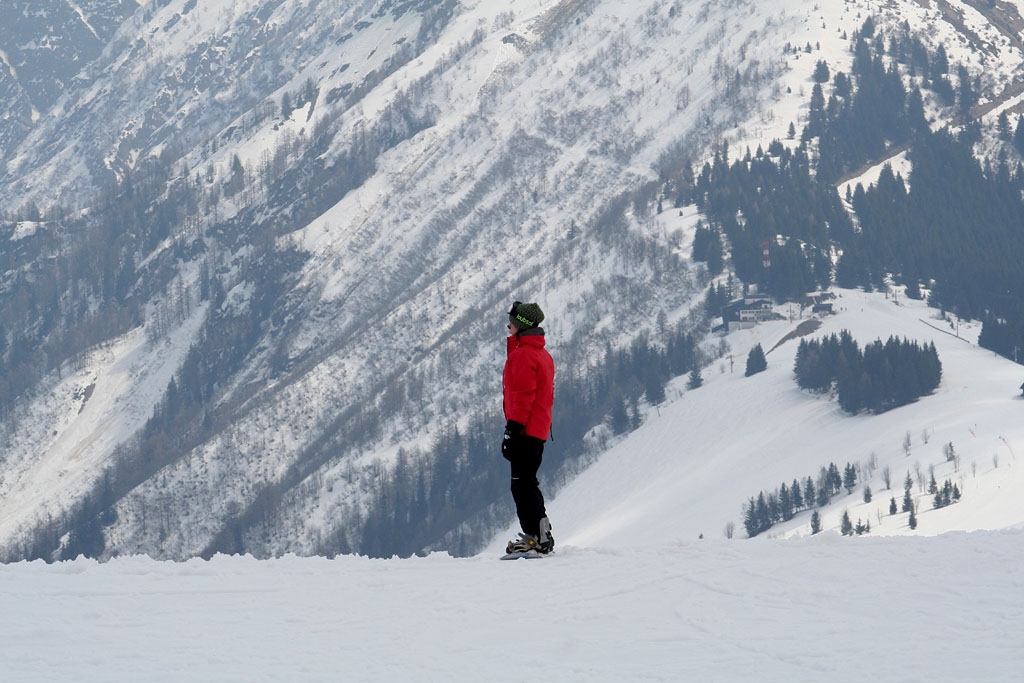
(44, 46)
(257, 254)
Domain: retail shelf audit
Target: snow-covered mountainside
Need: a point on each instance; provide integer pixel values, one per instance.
(314, 215)
(44, 45)
(632, 590)
(691, 469)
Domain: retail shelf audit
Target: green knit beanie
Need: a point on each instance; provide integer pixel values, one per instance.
(525, 316)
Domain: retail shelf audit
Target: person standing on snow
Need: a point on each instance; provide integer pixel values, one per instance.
(528, 390)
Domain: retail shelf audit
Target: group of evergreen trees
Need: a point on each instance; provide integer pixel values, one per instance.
(707, 248)
(947, 494)
(883, 377)
(958, 223)
(776, 194)
(781, 505)
(768, 508)
(847, 527)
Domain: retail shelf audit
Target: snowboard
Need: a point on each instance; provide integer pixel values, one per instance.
(528, 555)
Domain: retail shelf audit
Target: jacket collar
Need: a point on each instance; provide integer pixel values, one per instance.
(531, 337)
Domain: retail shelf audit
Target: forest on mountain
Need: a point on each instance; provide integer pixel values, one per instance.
(954, 231)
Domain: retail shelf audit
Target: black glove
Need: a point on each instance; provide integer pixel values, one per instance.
(512, 430)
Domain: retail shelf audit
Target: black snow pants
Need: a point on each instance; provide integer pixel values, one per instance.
(524, 453)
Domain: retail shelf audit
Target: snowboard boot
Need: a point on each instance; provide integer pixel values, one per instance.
(524, 544)
(545, 540)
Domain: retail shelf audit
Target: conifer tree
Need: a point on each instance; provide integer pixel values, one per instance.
(785, 503)
(797, 495)
(756, 361)
(1003, 126)
(762, 514)
(835, 480)
(815, 522)
(1018, 135)
(846, 526)
(823, 494)
(821, 72)
(908, 501)
(619, 416)
(849, 477)
(750, 522)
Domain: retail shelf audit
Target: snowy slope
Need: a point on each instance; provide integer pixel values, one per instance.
(735, 436)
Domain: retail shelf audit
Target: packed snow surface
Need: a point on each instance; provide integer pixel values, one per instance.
(827, 608)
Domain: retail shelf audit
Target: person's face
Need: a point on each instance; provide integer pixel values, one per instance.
(512, 330)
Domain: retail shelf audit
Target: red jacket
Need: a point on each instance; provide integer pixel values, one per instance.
(529, 384)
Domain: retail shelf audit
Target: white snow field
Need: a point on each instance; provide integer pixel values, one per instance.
(829, 608)
(633, 593)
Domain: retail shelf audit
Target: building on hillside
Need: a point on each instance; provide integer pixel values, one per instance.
(822, 309)
(747, 312)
